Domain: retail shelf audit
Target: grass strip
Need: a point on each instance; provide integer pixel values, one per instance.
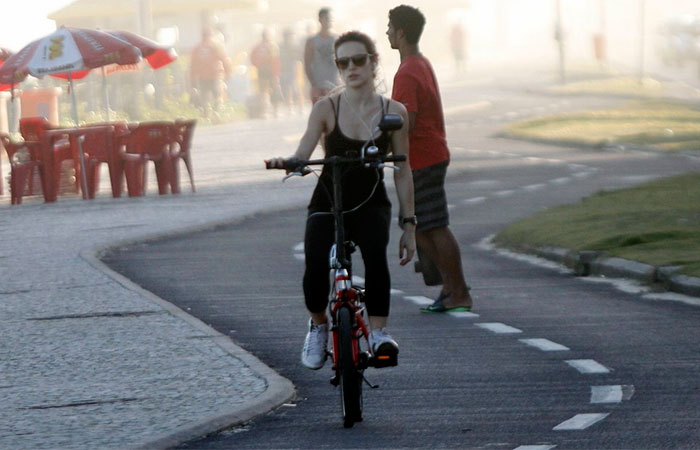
(664, 124)
(656, 223)
(621, 86)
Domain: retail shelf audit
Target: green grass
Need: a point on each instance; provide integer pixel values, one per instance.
(657, 223)
(664, 124)
(622, 86)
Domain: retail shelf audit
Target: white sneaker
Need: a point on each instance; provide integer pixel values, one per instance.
(314, 354)
(384, 348)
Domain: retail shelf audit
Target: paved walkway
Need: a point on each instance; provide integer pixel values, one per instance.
(90, 360)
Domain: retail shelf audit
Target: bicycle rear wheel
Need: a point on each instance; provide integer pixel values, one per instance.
(350, 376)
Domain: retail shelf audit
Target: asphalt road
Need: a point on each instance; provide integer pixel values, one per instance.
(547, 360)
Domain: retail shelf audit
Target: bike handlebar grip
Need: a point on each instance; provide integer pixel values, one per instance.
(290, 165)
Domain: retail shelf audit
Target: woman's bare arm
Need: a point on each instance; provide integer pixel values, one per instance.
(316, 126)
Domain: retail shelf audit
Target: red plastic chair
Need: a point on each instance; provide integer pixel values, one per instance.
(2, 192)
(99, 146)
(23, 160)
(183, 131)
(149, 141)
(33, 129)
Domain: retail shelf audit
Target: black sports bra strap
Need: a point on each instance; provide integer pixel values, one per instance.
(336, 109)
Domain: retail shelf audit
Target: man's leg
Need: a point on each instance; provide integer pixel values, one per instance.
(442, 247)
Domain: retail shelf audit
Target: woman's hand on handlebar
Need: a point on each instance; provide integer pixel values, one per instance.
(288, 164)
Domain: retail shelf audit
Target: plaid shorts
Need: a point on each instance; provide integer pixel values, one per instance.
(430, 198)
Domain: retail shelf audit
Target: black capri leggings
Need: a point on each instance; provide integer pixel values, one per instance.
(369, 229)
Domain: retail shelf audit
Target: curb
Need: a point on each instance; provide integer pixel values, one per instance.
(278, 389)
(585, 263)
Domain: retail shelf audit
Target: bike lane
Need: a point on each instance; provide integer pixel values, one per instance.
(491, 379)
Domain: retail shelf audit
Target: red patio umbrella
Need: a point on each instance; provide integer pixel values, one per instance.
(4, 54)
(68, 53)
(155, 54)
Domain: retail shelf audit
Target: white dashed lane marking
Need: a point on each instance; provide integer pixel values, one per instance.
(484, 183)
(545, 345)
(611, 394)
(581, 421)
(504, 193)
(419, 300)
(299, 252)
(534, 187)
(535, 447)
(463, 314)
(498, 328)
(587, 366)
(473, 200)
(561, 180)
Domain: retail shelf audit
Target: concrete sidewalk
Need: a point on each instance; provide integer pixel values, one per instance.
(89, 360)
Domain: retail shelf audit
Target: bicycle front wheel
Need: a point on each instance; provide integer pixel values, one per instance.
(350, 376)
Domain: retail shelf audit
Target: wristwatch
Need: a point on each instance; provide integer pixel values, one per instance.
(412, 219)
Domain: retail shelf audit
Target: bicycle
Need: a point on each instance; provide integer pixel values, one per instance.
(351, 353)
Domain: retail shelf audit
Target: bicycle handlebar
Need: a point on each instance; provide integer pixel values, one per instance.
(293, 164)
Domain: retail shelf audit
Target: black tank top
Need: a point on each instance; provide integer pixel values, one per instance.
(357, 182)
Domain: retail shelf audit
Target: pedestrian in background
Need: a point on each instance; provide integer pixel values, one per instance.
(209, 69)
(415, 85)
(265, 57)
(290, 60)
(319, 58)
(458, 45)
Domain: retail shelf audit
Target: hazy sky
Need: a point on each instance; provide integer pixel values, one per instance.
(27, 22)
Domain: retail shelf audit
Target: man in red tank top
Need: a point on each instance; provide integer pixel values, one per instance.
(416, 87)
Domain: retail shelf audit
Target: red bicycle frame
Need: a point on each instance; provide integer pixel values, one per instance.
(347, 296)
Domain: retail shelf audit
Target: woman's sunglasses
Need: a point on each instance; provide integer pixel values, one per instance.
(358, 60)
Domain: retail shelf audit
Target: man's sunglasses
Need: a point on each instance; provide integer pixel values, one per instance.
(358, 60)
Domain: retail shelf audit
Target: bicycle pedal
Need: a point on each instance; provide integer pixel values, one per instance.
(386, 362)
(389, 358)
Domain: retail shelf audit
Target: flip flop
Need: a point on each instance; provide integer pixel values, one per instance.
(440, 298)
(438, 301)
(438, 307)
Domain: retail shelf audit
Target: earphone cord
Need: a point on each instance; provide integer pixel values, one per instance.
(369, 130)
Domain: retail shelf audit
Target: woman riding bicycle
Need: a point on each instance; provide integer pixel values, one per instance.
(347, 120)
